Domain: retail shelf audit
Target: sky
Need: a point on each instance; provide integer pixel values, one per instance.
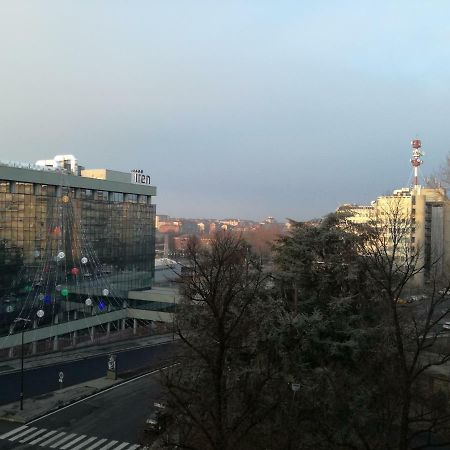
(246, 109)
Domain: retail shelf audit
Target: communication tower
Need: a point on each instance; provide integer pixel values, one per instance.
(416, 161)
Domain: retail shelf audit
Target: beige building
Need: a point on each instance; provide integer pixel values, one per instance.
(423, 214)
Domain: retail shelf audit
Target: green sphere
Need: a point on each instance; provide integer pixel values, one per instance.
(64, 292)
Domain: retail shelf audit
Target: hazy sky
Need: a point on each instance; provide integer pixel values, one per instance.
(240, 108)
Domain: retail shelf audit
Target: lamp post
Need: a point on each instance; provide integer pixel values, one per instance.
(173, 320)
(21, 319)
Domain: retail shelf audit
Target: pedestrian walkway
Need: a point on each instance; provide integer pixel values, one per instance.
(43, 437)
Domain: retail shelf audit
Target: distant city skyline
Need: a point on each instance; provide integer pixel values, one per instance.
(235, 109)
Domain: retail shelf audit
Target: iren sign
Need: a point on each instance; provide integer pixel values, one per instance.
(138, 177)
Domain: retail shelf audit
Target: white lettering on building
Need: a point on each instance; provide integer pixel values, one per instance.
(138, 177)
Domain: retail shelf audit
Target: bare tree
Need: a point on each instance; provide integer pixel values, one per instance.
(395, 263)
(441, 176)
(218, 392)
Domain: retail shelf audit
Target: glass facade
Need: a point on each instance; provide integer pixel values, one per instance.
(63, 246)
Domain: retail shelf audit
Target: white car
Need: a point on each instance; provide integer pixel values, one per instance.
(416, 298)
(446, 326)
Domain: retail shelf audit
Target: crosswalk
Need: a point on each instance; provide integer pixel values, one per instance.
(63, 441)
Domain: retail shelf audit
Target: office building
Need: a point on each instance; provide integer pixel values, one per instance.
(77, 249)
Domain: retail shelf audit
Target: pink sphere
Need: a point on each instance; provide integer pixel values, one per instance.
(75, 271)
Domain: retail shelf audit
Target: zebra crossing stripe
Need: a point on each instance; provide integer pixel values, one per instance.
(33, 435)
(96, 444)
(45, 436)
(53, 438)
(121, 446)
(62, 440)
(10, 433)
(109, 445)
(73, 442)
(23, 433)
(84, 443)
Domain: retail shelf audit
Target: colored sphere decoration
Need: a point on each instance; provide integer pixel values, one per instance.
(84, 260)
(40, 313)
(28, 288)
(61, 255)
(47, 299)
(101, 305)
(58, 287)
(75, 271)
(105, 292)
(65, 292)
(88, 302)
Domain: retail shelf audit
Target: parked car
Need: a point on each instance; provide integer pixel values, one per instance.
(446, 326)
(157, 421)
(152, 423)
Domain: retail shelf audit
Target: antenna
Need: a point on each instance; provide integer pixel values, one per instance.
(416, 162)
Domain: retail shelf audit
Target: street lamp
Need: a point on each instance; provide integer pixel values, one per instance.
(173, 320)
(21, 319)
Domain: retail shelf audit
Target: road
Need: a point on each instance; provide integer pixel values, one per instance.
(41, 380)
(117, 414)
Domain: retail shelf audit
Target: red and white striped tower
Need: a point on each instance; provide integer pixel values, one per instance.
(416, 162)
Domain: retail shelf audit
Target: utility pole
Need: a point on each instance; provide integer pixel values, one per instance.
(21, 319)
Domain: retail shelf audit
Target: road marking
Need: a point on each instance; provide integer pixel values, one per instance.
(84, 443)
(73, 442)
(45, 436)
(30, 436)
(121, 446)
(43, 444)
(103, 391)
(33, 435)
(10, 433)
(108, 445)
(23, 433)
(96, 444)
(62, 440)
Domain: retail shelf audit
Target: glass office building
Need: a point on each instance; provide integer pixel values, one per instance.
(72, 235)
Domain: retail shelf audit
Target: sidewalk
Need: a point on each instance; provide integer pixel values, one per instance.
(48, 359)
(38, 406)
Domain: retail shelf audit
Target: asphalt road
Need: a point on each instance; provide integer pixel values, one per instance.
(41, 380)
(117, 414)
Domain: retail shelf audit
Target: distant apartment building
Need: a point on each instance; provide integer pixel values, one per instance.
(358, 213)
